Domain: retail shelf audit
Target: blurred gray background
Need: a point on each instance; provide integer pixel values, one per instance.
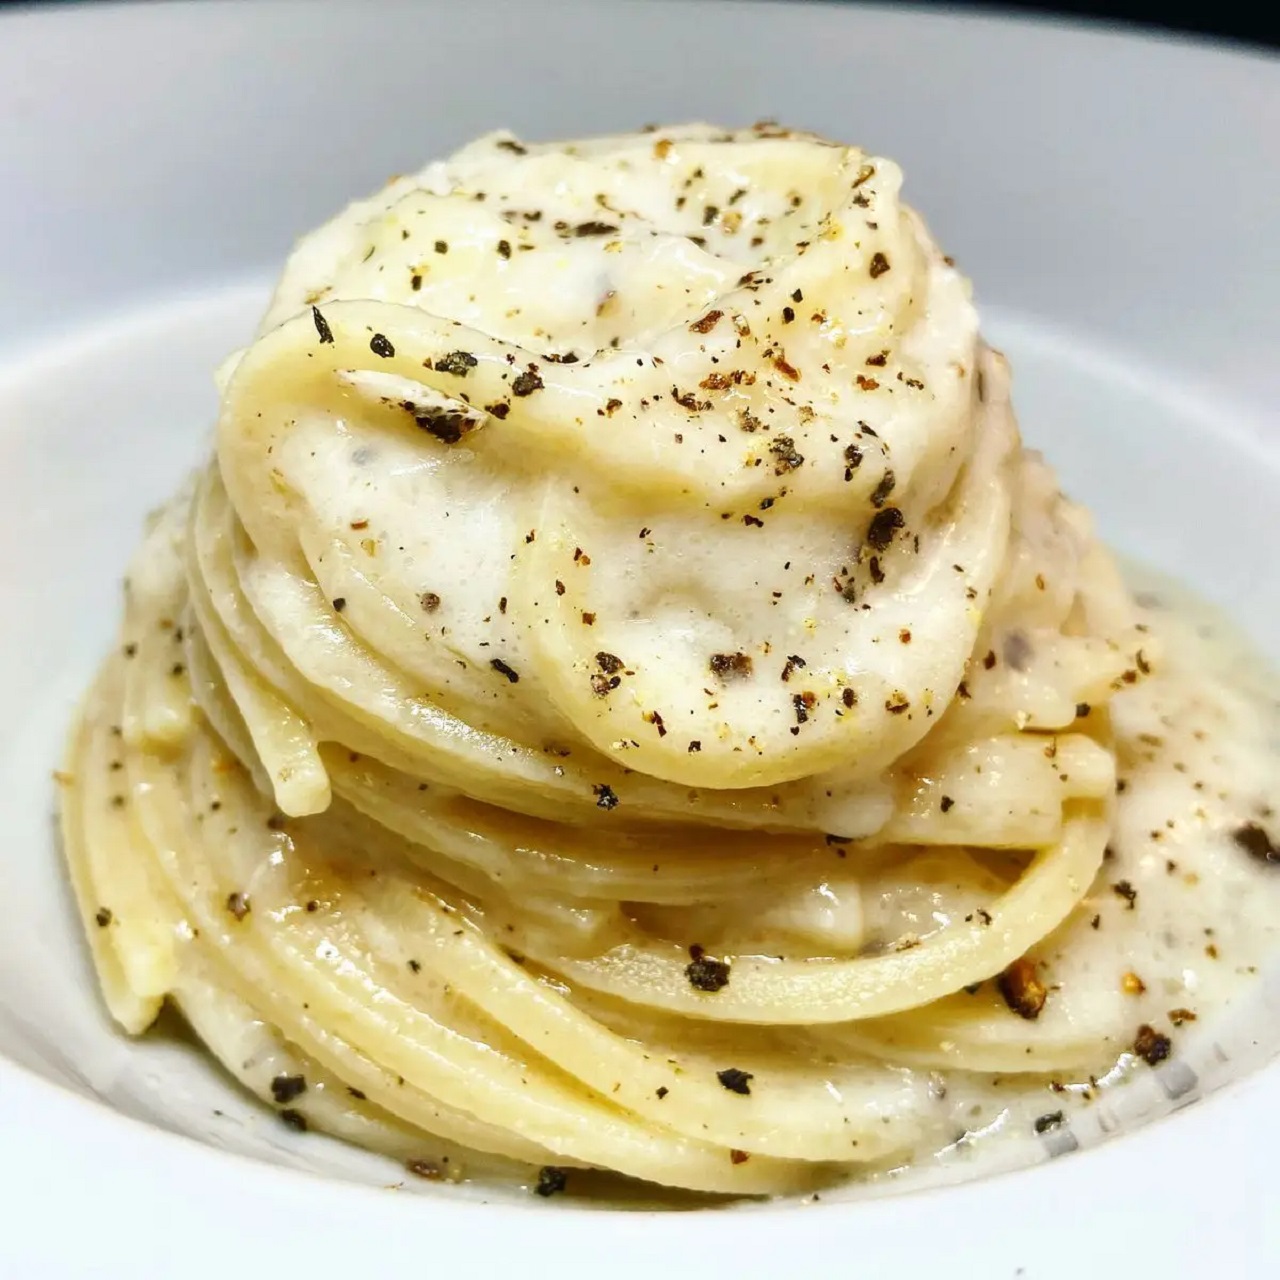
(1250, 21)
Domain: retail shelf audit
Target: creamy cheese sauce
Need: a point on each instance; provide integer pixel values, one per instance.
(1187, 909)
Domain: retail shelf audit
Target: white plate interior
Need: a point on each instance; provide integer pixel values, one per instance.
(1141, 329)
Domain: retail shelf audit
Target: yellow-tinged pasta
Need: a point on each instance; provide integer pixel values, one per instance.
(622, 699)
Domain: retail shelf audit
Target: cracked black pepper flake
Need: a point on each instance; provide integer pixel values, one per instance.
(606, 797)
(794, 663)
(1255, 841)
(734, 1080)
(322, 325)
(430, 602)
(380, 346)
(103, 917)
(1048, 1122)
(358, 1094)
(788, 315)
(1123, 889)
(705, 973)
(294, 1120)
(458, 363)
(1179, 1016)
(499, 409)
(731, 666)
(588, 619)
(504, 248)
(426, 1169)
(1152, 1046)
(504, 670)
(879, 265)
(655, 718)
(883, 489)
(551, 1181)
(609, 663)
(447, 425)
(286, 1088)
(707, 322)
(884, 524)
(527, 383)
(848, 697)
(442, 246)
(1082, 710)
(415, 282)
(694, 747)
(594, 229)
(802, 704)
(238, 905)
(786, 458)
(946, 804)
(687, 400)
(1022, 990)
(339, 603)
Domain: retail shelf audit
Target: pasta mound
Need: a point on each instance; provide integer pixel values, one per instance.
(619, 696)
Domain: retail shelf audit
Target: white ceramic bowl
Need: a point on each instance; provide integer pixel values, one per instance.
(1115, 200)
